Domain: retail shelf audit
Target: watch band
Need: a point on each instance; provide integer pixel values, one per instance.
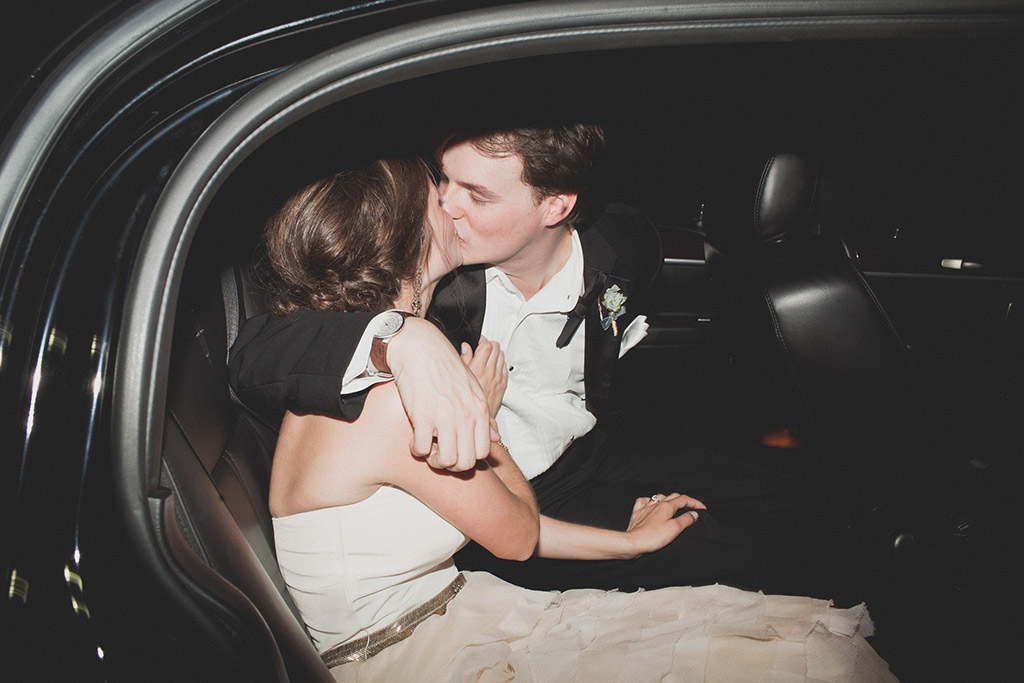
(377, 365)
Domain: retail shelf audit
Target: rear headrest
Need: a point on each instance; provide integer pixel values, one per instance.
(244, 298)
(791, 197)
(792, 203)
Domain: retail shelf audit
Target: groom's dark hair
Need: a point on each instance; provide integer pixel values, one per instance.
(556, 159)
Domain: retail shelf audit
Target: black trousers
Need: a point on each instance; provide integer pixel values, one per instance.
(764, 529)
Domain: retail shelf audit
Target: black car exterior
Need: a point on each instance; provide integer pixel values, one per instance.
(115, 150)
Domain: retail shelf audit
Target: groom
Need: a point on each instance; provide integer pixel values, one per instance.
(561, 298)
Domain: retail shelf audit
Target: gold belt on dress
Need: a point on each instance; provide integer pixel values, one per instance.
(371, 644)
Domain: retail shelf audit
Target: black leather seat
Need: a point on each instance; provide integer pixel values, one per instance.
(216, 465)
(812, 350)
(813, 355)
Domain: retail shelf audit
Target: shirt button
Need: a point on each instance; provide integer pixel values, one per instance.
(511, 368)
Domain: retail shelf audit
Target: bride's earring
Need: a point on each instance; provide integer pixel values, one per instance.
(417, 290)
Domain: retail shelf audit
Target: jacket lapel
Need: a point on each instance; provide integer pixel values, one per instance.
(602, 347)
(458, 305)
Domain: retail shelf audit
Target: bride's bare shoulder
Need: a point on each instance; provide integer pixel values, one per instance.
(322, 461)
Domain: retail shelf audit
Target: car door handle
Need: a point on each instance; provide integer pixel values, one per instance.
(961, 264)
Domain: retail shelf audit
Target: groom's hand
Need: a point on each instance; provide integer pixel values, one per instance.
(446, 406)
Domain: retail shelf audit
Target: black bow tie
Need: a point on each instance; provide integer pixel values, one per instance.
(579, 312)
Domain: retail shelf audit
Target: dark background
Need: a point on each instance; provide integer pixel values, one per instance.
(31, 32)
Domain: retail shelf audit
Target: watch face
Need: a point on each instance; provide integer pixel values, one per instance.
(388, 324)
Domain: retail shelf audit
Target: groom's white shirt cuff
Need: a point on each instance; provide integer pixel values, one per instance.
(354, 380)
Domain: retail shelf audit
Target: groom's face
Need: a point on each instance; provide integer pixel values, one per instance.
(496, 214)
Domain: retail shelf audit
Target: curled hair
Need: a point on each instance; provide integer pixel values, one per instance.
(556, 160)
(347, 242)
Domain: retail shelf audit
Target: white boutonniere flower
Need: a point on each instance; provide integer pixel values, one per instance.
(613, 305)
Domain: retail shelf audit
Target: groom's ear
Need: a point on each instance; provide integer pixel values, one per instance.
(558, 207)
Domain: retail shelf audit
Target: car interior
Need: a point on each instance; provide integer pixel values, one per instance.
(807, 195)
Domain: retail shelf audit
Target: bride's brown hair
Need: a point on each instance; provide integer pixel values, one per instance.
(347, 242)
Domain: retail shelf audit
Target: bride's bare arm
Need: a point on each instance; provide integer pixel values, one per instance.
(653, 525)
(492, 503)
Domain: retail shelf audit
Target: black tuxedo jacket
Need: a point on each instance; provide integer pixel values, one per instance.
(297, 362)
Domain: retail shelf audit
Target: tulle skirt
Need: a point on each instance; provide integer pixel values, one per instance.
(494, 631)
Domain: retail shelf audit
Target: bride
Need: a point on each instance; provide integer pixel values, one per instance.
(365, 532)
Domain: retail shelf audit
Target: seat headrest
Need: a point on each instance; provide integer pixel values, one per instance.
(790, 197)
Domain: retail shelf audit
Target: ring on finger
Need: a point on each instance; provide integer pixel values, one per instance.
(655, 497)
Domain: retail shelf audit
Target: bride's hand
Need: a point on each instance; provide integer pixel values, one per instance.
(653, 524)
(488, 365)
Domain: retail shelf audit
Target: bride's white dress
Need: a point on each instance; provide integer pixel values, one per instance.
(355, 569)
